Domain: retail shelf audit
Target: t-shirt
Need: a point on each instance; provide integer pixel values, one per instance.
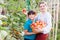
(27, 27)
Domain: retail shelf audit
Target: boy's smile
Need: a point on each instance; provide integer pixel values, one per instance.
(32, 16)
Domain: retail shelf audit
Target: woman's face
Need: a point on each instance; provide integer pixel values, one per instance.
(43, 7)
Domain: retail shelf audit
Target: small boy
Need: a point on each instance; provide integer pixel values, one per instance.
(29, 35)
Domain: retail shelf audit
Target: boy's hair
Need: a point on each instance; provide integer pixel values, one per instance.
(42, 2)
(31, 12)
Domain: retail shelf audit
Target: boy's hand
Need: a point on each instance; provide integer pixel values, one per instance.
(33, 33)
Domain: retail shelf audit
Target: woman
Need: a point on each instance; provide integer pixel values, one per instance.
(45, 16)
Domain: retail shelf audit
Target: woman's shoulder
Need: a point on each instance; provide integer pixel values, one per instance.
(48, 14)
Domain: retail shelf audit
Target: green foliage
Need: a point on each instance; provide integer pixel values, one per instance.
(3, 28)
(15, 17)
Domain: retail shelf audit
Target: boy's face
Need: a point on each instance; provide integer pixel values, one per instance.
(32, 16)
(43, 7)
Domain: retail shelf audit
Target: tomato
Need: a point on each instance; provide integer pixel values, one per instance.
(37, 21)
(38, 24)
(35, 24)
(17, 32)
(24, 10)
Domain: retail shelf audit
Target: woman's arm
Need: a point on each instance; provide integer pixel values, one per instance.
(48, 27)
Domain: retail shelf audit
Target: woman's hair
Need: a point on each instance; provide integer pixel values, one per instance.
(31, 12)
(42, 2)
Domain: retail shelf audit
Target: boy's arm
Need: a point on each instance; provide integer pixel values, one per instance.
(26, 28)
(28, 33)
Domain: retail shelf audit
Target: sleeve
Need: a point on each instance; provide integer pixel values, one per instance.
(26, 26)
(48, 27)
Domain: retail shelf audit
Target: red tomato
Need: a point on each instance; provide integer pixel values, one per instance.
(24, 10)
(35, 24)
(38, 24)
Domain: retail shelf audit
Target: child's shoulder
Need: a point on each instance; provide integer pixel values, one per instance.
(27, 21)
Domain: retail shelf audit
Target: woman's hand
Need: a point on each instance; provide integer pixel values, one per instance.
(39, 30)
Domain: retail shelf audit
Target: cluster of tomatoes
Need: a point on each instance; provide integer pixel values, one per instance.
(38, 24)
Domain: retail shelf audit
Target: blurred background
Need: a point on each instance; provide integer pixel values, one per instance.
(12, 18)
